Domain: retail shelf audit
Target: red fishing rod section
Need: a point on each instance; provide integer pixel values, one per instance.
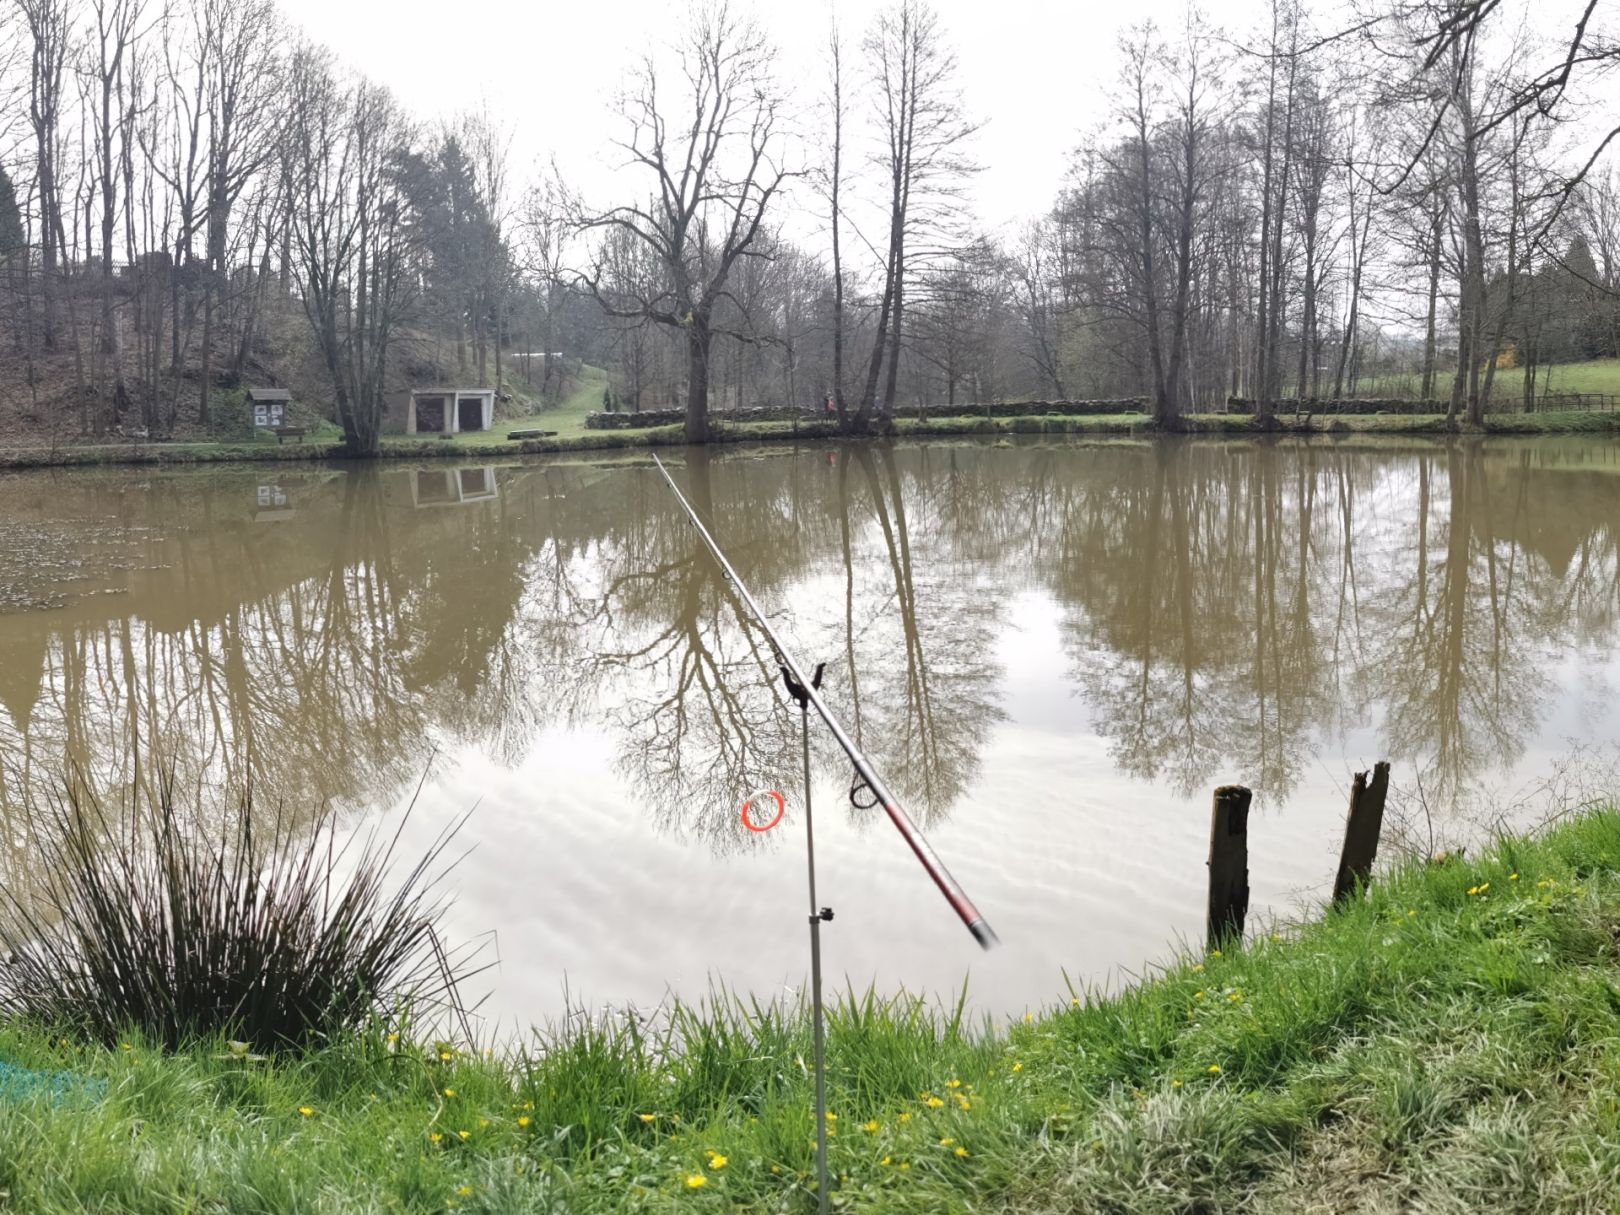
(925, 854)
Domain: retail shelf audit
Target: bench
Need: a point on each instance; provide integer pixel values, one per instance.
(531, 434)
(290, 432)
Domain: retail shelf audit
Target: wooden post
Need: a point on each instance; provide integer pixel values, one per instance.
(1361, 832)
(1228, 864)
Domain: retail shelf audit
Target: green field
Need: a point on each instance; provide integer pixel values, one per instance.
(1597, 376)
(1452, 1043)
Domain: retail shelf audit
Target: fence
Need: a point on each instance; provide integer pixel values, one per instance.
(1499, 404)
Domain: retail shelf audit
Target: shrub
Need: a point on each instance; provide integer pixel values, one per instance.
(148, 925)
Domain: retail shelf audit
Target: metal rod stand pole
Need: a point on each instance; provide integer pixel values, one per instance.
(818, 913)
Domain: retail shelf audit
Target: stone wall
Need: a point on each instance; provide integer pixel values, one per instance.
(1371, 405)
(785, 413)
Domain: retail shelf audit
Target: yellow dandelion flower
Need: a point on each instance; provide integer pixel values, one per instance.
(1214, 1069)
(947, 1141)
(1214, 953)
(483, 1122)
(963, 1104)
(717, 1161)
(306, 1110)
(465, 1134)
(905, 1164)
(934, 1103)
(1235, 996)
(125, 1046)
(1276, 936)
(1028, 1018)
(647, 1117)
(1410, 912)
(1198, 968)
(961, 1151)
(831, 1117)
(464, 1190)
(906, 1117)
(1198, 995)
(1074, 1001)
(447, 1055)
(885, 1160)
(523, 1120)
(393, 1037)
(1018, 1067)
(449, 1092)
(1472, 891)
(434, 1137)
(869, 1125)
(528, 1105)
(1484, 886)
(696, 1181)
(1513, 877)
(953, 1084)
(1175, 1084)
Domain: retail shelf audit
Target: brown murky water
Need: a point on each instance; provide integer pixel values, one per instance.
(1053, 651)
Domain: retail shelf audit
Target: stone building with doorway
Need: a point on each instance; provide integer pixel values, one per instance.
(449, 411)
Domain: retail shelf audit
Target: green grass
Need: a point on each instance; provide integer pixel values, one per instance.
(1595, 375)
(1452, 1043)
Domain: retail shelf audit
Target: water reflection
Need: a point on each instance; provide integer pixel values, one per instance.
(1227, 611)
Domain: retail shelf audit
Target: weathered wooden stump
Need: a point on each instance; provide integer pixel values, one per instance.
(1228, 864)
(1361, 830)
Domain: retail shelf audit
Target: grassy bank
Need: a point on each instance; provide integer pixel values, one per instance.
(1453, 1043)
(572, 436)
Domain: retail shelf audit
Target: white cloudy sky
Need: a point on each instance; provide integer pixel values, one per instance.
(1033, 70)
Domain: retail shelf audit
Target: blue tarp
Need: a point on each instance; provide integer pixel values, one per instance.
(19, 1083)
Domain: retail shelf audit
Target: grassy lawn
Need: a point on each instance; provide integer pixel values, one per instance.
(1596, 375)
(1599, 375)
(1452, 1043)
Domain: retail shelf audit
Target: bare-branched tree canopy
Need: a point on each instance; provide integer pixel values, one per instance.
(1412, 199)
(709, 136)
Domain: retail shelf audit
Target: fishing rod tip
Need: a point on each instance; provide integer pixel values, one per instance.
(984, 934)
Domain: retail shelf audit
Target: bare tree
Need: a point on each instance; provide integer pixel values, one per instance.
(235, 41)
(924, 130)
(115, 30)
(834, 181)
(48, 25)
(543, 225)
(351, 244)
(715, 168)
(1036, 292)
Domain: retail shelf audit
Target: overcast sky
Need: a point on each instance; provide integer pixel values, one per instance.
(1035, 71)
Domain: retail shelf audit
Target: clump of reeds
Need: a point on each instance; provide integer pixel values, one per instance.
(279, 938)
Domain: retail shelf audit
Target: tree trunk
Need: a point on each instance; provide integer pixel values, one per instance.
(1430, 350)
(698, 342)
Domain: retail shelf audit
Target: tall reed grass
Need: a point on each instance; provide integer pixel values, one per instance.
(147, 922)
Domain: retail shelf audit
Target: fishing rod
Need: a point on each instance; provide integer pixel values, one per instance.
(809, 690)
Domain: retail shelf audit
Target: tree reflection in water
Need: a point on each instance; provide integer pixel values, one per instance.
(1228, 611)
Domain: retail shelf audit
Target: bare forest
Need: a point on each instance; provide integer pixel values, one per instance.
(1325, 202)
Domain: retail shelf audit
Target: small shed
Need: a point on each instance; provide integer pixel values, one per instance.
(271, 406)
(449, 411)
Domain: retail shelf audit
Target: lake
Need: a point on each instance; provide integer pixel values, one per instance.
(1053, 651)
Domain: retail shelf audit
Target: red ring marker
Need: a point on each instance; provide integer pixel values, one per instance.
(781, 806)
